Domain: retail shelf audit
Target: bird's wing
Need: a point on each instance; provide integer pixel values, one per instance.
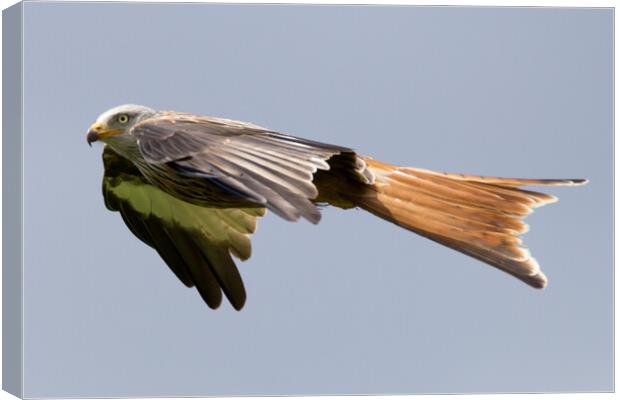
(261, 166)
(195, 242)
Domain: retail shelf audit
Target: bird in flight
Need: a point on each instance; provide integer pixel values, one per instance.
(191, 187)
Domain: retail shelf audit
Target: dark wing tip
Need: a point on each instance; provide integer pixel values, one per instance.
(212, 301)
(238, 303)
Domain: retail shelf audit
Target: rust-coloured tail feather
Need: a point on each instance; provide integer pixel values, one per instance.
(476, 215)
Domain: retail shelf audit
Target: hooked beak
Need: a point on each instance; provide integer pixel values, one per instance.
(97, 132)
(93, 134)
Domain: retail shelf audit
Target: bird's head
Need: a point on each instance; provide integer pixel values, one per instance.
(117, 122)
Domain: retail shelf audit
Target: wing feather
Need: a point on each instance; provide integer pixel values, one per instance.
(295, 181)
(195, 242)
(167, 251)
(284, 202)
(261, 166)
(199, 268)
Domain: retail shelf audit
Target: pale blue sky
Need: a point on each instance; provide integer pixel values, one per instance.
(355, 304)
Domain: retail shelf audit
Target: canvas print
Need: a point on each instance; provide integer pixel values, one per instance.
(410, 144)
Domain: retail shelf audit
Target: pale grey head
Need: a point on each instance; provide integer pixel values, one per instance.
(115, 124)
(113, 127)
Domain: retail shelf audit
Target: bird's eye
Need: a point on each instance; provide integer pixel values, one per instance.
(123, 118)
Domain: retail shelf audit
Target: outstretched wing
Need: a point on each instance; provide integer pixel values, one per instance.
(260, 166)
(195, 242)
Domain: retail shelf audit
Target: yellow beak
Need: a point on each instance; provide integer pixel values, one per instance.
(97, 132)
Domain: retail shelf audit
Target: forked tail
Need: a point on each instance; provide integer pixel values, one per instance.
(479, 216)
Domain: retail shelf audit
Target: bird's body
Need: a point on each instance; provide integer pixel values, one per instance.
(192, 187)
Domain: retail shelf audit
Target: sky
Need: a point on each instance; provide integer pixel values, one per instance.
(354, 305)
